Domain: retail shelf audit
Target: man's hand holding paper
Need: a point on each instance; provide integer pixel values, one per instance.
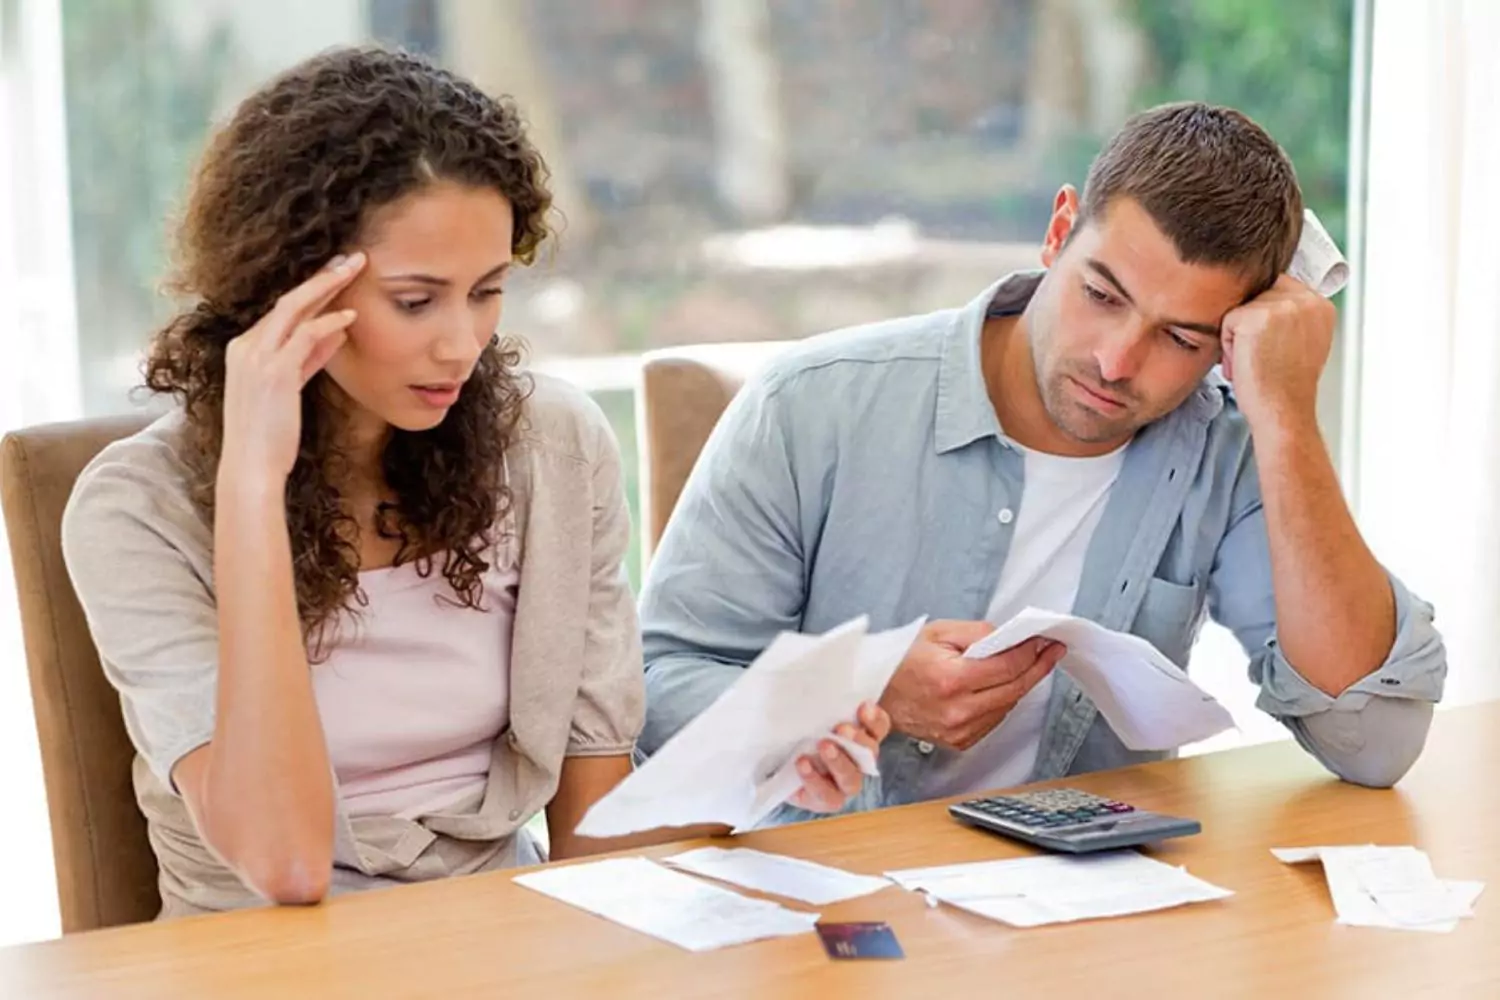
(1148, 701)
(941, 696)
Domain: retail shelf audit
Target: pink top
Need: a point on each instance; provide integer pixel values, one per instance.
(415, 691)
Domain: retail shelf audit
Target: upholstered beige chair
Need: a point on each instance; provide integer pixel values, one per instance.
(682, 393)
(106, 873)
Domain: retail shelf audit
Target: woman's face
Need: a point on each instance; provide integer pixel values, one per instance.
(427, 303)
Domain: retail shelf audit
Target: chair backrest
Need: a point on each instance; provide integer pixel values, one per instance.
(106, 873)
(681, 395)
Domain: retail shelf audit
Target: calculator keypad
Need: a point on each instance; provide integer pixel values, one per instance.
(1049, 808)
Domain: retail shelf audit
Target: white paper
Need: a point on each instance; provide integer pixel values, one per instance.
(1317, 262)
(1027, 892)
(1148, 701)
(793, 878)
(667, 905)
(1392, 887)
(736, 762)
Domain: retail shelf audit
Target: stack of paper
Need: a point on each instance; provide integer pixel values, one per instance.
(1388, 887)
(1148, 701)
(1051, 889)
(793, 878)
(668, 905)
(737, 761)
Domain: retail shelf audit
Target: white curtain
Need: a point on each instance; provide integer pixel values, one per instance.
(38, 382)
(1425, 372)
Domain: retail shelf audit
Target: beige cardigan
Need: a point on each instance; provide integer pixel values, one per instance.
(141, 558)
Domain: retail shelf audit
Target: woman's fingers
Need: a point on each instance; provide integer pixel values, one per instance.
(307, 300)
(314, 342)
(313, 295)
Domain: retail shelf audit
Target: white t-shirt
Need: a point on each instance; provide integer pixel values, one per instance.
(1060, 507)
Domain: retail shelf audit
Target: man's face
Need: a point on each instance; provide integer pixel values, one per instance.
(1121, 329)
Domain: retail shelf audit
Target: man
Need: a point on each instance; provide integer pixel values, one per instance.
(1064, 442)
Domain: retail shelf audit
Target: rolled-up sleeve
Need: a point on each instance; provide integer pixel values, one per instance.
(1374, 730)
(610, 705)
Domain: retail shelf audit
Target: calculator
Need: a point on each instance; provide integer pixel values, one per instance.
(1070, 821)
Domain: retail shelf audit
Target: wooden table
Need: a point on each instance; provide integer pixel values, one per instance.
(484, 936)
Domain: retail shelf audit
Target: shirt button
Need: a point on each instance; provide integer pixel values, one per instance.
(515, 814)
(924, 748)
(1006, 515)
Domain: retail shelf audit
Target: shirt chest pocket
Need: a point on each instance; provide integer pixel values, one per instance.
(1169, 618)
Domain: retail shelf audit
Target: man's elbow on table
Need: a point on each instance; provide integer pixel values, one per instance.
(1391, 735)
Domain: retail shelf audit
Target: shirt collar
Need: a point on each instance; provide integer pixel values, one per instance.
(964, 411)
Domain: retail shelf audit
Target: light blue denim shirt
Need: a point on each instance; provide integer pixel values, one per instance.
(864, 472)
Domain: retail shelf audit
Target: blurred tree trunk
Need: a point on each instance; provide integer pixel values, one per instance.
(744, 82)
(1089, 60)
(1116, 56)
(1055, 101)
(490, 42)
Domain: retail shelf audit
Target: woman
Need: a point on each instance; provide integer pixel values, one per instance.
(361, 591)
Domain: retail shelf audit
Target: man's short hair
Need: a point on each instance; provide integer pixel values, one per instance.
(1215, 182)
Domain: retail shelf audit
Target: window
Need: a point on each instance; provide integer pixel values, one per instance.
(726, 169)
(729, 169)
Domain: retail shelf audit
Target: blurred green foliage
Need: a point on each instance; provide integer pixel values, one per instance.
(1285, 63)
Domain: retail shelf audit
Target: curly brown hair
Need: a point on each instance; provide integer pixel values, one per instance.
(290, 181)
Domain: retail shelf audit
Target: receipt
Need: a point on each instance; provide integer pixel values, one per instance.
(1317, 262)
(793, 878)
(665, 904)
(1391, 887)
(1048, 889)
